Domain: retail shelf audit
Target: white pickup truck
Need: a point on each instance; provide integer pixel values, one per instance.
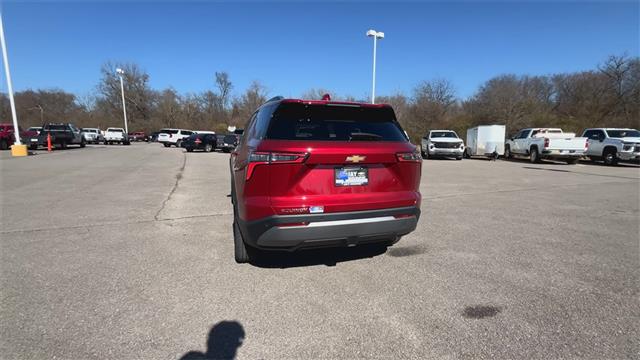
(611, 145)
(546, 143)
(116, 136)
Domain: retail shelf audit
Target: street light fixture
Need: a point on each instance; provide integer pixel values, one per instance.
(375, 35)
(120, 72)
(41, 112)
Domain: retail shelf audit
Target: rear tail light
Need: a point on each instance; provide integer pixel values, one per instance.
(198, 141)
(265, 158)
(409, 157)
(586, 145)
(546, 143)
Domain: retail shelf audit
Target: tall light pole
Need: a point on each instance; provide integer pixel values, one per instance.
(41, 112)
(376, 35)
(124, 106)
(16, 132)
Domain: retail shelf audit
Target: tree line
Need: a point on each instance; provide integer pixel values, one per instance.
(608, 95)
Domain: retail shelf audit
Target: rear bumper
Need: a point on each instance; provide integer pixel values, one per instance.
(563, 154)
(330, 230)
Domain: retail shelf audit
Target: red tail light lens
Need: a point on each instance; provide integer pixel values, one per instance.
(409, 157)
(546, 143)
(586, 145)
(198, 141)
(264, 158)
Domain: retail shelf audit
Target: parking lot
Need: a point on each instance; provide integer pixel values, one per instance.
(127, 252)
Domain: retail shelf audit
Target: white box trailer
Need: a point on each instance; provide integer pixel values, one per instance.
(484, 140)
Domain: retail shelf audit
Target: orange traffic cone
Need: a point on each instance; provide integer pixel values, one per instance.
(49, 142)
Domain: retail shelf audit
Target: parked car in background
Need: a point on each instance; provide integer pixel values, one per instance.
(546, 143)
(485, 140)
(442, 143)
(613, 144)
(92, 135)
(310, 174)
(174, 137)
(153, 137)
(204, 132)
(227, 142)
(116, 136)
(206, 142)
(138, 136)
(61, 135)
(7, 136)
(35, 129)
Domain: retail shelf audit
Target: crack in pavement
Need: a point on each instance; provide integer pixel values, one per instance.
(175, 186)
(111, 223)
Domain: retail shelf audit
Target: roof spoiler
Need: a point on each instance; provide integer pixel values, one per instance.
(275, 98)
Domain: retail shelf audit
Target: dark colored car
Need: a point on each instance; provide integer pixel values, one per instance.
(227, 142)
(153, 137)
(310, 174)
(206, 142)
(62, 135)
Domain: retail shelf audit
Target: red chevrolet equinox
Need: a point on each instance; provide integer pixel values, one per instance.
(309, 174)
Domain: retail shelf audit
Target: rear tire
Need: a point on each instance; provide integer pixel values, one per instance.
(240, 252)
(166, 145)
(458, 157)
(4, 145)
(179, 143)
(507, 152)
(610, 157)
(208, 148)
(534, 157)
(82, 143)
(571, 161)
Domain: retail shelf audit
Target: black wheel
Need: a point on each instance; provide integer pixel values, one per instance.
(240, 250)
(458, 157)
(167, 144)
(610, 157)
(4, 145)
(63, 145)
(189, 149)
(534, 157)
(179, 143)
(507, 152)
(208, 148)
(571, 161)
(82, 143)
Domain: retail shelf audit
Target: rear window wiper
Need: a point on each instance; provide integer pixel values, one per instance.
(364, 136)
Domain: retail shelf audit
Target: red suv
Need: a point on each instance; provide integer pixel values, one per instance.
(310, 174)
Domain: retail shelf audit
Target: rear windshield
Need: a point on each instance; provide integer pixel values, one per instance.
(55, 127)
(623, 133)
(115, 130)
(334, 123)
(168, 131)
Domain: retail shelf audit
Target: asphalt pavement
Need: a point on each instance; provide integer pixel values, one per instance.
(126, 252)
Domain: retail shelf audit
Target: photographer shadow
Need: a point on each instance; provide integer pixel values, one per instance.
(224, 340)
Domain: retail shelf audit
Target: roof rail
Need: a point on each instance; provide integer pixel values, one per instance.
(275, 98)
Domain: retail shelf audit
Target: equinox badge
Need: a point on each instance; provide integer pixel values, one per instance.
(356, 158)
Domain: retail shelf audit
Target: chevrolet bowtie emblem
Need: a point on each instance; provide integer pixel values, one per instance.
(356, 158)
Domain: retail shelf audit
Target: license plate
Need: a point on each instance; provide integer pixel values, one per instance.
(351, 176)
(34, 140)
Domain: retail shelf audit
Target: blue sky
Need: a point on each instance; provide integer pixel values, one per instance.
(292, 47)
